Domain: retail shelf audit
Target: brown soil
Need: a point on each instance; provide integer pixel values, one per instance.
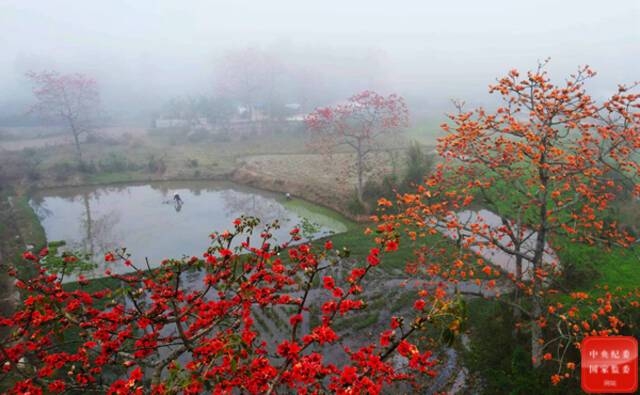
(321, 179)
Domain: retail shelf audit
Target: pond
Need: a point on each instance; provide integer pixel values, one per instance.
(150, 224)
(493, 222)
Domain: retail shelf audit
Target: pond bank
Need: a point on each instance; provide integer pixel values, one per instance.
(18, 228)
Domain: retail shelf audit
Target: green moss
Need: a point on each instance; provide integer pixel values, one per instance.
(319, 215)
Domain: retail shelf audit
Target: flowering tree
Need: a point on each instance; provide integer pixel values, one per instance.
(358, 124)
(548, 163)
(71, 98)
(154, 331)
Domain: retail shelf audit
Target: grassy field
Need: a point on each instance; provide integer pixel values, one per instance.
(595, 265)
(426, 131)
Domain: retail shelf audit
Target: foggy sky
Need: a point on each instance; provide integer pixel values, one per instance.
(143, 50)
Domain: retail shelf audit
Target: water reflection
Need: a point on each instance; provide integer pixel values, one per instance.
(150, 222)
(100, 230)
(492, 225)
(253, 205)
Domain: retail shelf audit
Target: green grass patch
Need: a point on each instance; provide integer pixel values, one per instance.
(320, 215)
(28, 222)
(111, 178)
(616, 266)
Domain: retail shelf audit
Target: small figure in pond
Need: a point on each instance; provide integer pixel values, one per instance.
(288, 196)
(178, 202)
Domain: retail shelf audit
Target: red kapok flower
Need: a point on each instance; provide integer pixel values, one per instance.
(391, 245)
(288, 349)
(295, 319)
(329, 283)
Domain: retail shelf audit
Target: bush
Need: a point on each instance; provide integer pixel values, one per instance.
(33, 174)
(31, 161)
(116, 162)
(92, 138)
(192, 163)
(581, 264)
(223, 137)
(418, 165)
(179, 131)
(87, 167)
(198, 135)
(501, 359)
(577, 275)
(356, 207)
(62, 170)
(372, 190)
(156, 165)
(96, 138)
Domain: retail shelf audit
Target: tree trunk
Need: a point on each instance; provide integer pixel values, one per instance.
(78, 150)
(76, 137)
(360, 170)
(89, 220)
(517, 298)
(538, 257)
(536, 311)
(536, 334)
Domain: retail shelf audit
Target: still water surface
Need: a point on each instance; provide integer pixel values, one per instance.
(145, 219)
